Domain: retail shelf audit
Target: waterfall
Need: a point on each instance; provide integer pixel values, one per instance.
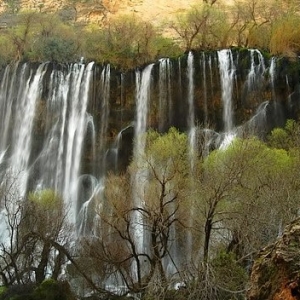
(143, 88)
(55, 137)
(105, 93)
(191, 111)
(76, 131)
(272, 73)
(143, 82)
(51, 158)
(15, 179)
(92, 133)
(227, 75)
(6, 99)
(227, 72)
(165, 97)
(206, 136)
(29, 92)
(256, 125)
(257, 70)
(66, 125)
(203, 63)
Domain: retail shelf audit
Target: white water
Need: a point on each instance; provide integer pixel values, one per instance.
(104, 98)
(139, 180)
(14, 181)
(272, 73)
(66, 126)
(29, 92)
(143, 85)
(227, 73)
(257, 69)
(191, 111)
(76, 131)
(51, 159)
(165, 96)
(7, 89)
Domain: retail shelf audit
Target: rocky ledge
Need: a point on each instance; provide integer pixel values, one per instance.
(276, 271)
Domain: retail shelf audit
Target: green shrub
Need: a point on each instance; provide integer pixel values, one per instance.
(50, 289)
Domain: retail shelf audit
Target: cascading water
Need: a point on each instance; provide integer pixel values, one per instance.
(50, 131)
(56, 165)
(272, 73)
(257, 70)
(165, 96)
(143, 85)
(206, 133)
(105, 88)
(17, 173)
(227, 75)
(29, 92)
(203, 63)
(67, 122)
(191, 111)
(6, 91)
(76, 131)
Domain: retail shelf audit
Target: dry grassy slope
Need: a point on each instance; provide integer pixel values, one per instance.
(155, 11)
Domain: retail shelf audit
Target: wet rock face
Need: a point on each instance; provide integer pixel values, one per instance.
(276, 271)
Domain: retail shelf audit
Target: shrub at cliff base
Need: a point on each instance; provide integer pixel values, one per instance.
(49, 289)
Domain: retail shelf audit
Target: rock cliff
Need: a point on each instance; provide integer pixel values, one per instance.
(276, 272)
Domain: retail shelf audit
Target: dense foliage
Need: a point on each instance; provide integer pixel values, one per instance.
(270, 25)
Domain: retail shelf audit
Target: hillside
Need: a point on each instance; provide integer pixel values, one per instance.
(100, 11)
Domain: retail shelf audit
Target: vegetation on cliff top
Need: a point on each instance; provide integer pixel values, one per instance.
(128, 41)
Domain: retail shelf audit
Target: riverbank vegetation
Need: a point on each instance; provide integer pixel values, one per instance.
(126, 42)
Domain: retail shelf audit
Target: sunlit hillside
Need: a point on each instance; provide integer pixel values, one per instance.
(99, 11)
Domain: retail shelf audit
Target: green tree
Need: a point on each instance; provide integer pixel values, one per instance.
(54, 40)
(13, 6)
(285, 36)
(21, 35)
(189, 25)
(127, 42)
(285, 138)
(204, 26)
(243, 196)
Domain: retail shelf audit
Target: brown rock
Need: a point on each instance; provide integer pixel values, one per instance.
(276, 271)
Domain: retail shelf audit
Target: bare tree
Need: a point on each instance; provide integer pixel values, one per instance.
(135, 237)
(30, 229)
